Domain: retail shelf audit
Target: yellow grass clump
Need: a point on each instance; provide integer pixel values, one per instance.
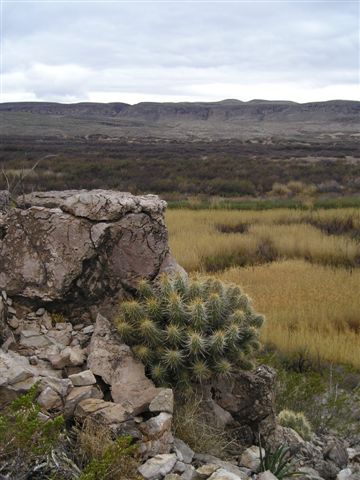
(308, 307)
(196, 241)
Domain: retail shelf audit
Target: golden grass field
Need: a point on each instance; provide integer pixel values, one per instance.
(305, 281)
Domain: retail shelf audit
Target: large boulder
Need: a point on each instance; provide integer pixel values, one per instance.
(82, 248)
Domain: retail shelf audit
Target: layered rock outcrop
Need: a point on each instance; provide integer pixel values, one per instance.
(82, 248)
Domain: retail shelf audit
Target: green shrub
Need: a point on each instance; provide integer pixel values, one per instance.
(117, 462)
(189, 330)
(24, 437)
(297, 421)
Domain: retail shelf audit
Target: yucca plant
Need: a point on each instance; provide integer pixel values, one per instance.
(187, 331)
(279, 463)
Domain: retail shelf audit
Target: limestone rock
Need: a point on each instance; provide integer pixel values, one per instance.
(150, 447)
(158, 466)
(156, 426)
(107, 413)
(250, 398)
(109, 205)
(229, 467)
(309, 474)
(68, 357)
(115, 364)
(163, 402)
(86, 377)
(32, 338)
(82, 247)
(49, 399)
(344, 474)
(207, 470)
(62, 386)
(183, 452)
(223, 474)
(266, 476)
(336, 452)
(76, 395)
(189, 473)
(250, 458)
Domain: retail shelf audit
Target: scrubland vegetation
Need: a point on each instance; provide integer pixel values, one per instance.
(300, 267)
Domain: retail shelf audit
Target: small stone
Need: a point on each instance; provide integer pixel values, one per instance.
(107, 413)
(183, 451)
(250, 458)
(353, 454)
(13, 322)
(88, 329)
(180, 467)
(158, 466)
(11, 310)
(42, 417)
(344, 474)
(70, 356)
(266, 476)
(63, 326)
(79, 326)
(40, 312)
(163, 402)
(189, 473)
(310, 473)
(156, 426)
(172, 476)
(60, 385)
(49, 399)
(228, 466)
(32, 339)
(206, 470)
(78, 394)
(223, 474)
(33, 360)
(86, 377)
(9, 302)
(4, 295)
(336, 452)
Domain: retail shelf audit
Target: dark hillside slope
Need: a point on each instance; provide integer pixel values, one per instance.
(211, 120)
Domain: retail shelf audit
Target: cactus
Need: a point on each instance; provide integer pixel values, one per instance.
(297, 421)
(187, 331)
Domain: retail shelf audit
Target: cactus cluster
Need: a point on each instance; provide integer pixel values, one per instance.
(187, 331)
(297, 421)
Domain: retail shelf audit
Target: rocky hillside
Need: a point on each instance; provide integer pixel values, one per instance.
(225, 119)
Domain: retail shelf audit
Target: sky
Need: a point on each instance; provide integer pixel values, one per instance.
(117, 51)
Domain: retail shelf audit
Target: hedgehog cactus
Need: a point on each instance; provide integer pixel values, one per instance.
(189, 330)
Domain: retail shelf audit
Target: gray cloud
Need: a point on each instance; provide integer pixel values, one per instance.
(130, 51)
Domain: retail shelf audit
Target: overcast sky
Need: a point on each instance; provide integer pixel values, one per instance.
(179, 51)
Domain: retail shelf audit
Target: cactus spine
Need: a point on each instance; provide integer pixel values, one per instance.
(190, 330)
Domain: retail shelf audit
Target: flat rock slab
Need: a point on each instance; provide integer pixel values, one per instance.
(110, 359)
(158, 466)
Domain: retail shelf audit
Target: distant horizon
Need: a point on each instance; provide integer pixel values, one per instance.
(182, 101)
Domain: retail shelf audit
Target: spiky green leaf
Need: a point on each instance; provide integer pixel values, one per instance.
(173, 358)
(196, 343)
